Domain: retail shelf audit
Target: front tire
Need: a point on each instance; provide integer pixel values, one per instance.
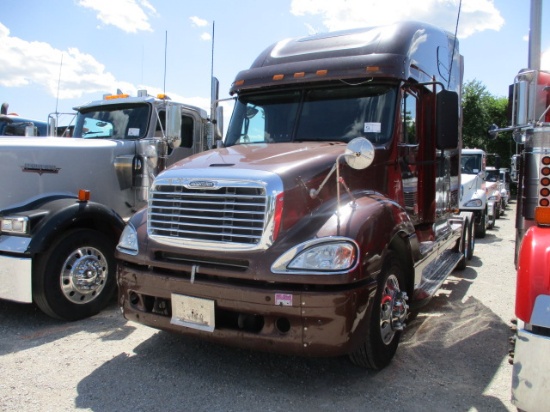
(75, 277)
(471, 240)
(387, 318)
(481, 228)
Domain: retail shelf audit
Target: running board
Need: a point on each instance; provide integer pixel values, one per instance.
(435, 274)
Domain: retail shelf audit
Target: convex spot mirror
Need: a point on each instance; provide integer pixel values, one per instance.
(359, 153)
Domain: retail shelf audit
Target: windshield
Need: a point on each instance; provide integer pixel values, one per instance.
(492, 175)
(337, 113)
(470, 163)
(113, 122)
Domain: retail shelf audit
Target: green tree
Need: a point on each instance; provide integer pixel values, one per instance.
(480, 110)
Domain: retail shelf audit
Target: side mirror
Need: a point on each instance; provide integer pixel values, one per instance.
(447, 109)
(219, 123)
(173, 125)
(493, 131)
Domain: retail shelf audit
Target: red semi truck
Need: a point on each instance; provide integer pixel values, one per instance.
(530, 102)
(328, 212)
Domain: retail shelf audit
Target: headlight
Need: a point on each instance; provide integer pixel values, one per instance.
(128, 242)
(15, 224)
(330, 256)
(474, 203)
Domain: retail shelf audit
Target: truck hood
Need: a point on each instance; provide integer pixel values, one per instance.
(469, 180)
(31, 168)
(295, 159)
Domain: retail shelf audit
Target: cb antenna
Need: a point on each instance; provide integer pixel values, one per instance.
(58, 82)
(165, 49)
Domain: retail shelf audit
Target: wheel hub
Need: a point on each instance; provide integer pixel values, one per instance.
(84, 275)
(394, 309)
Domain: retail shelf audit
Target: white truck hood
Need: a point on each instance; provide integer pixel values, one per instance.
(33, 167)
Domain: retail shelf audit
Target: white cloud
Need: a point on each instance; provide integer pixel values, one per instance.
(475, 15)
(24, 63)
(206, 36)
(130, 16)
(198, 22)
(545, 60)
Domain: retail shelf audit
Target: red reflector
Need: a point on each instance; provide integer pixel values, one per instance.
(278, 215)
(83, 195)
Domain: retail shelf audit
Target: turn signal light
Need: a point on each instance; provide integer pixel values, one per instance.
(542, 215)
(83, 195)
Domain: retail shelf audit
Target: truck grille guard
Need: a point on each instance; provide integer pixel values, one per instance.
(209, 214)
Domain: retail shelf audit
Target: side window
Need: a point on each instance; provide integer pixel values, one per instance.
(408, 119)
(187, 127)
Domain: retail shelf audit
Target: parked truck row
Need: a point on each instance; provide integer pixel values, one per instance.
(333, 208)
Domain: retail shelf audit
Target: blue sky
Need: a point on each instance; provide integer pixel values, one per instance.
(57, 54)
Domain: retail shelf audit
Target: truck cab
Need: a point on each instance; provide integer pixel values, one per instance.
(329, 209)
(64, 201)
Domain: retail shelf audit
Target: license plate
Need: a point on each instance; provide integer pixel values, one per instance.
(193, 312)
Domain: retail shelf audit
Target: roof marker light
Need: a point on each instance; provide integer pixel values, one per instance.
(321, 72)
(278, 76)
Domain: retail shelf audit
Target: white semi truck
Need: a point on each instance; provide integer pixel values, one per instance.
(64, 201)
(473, 190)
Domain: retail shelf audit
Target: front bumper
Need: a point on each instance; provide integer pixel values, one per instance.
(16, 279)
(531, 372)
(327, 322)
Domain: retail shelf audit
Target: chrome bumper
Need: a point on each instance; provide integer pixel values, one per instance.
(531, 372)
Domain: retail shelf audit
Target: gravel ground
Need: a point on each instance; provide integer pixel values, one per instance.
(453, 357)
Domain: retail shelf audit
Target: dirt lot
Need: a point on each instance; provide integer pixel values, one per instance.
(454, 356)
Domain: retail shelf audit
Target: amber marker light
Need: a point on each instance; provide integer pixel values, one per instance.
(238, 82)
(542, 214)
(299, 75)
(278, 76)
(117, 96)
(321, 72)
(372, 69)
(83, 195)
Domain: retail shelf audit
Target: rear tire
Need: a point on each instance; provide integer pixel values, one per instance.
(75, 278)
(387, 317)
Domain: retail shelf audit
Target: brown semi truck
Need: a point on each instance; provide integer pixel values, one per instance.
(327, 213)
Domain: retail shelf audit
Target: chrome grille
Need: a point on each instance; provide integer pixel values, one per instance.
(225, 214)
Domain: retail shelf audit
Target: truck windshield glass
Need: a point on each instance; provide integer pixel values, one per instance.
(470, 164)
(322, 114)
(113, 122)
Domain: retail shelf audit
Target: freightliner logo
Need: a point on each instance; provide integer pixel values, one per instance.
(201, 184)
